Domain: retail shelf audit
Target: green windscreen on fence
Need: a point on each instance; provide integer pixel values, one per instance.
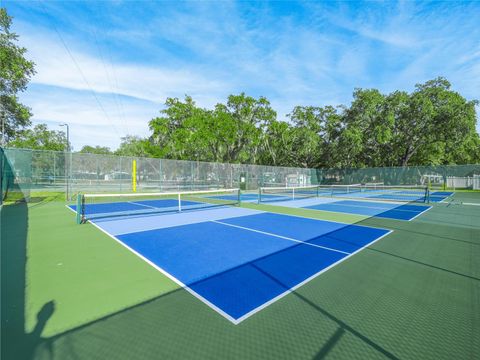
(439, 176)
(15, 174)
(26, 170)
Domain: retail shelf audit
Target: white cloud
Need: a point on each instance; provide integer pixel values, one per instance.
(88, 125)
(315, 62)
(56, 68)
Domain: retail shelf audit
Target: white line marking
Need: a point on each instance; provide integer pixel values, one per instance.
(180, 219)
(423, 212)
(278, 297)
(171, 277)
(310, 207)
(470, 204)
(374, 207)
(148, 206)
(367, 200)
(254, 311)
(444, 199)
(69, 208)
(364, 217)
(279, 236)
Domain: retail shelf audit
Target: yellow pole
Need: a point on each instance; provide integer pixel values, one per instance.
(134, 175)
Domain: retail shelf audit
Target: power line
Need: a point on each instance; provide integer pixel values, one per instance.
(83, 75)
(114, 88)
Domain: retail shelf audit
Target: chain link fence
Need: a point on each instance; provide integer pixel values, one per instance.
(435, 175)
(71, 173)
(26, 171)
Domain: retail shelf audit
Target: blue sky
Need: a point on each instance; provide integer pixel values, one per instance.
(106, 68)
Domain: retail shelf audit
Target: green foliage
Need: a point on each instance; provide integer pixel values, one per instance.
(96, 150)
(315, 135)
(133, 146)
(432, 125)
(277, 144)
(40, 138)
(15, 73)
(232, 132)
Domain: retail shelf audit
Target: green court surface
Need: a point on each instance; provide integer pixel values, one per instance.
(70, 292)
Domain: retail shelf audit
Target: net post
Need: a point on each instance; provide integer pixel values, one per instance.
(239, 196)
(134, 175)
(293, 194)
(259, 195)
(80, 208)
(179, 203)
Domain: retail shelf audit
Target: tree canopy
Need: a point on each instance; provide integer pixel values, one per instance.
(96, 149)
(231, 132)
(40, 138)
(15, 73)
(432, 125)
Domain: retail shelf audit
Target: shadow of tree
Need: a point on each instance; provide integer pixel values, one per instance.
(15, 342)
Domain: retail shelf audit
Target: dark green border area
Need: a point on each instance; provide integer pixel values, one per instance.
(71, 292)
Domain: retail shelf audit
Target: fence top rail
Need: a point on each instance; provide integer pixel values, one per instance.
(445, 170)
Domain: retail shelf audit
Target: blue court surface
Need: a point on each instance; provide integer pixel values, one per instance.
(238, 261)
(439, 196)
(402, 195)
(130, 208)
(378, 209)
(126, 207)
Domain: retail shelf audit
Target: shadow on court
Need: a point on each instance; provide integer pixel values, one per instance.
(15, 342)
(176, 324)
(370, 307)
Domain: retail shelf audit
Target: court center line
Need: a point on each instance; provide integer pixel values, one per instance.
(148, 206)
(279, 236)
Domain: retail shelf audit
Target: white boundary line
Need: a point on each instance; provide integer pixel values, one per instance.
(375, 207)
(279, 236)
(147, 206)
(441, 201)
(310, 207)
(371, 198)
(171, 277)
(69, 208)
(257, 309)
(364, 199)
(278, 297)
(471, 204)
(423, 212)
(365, 217)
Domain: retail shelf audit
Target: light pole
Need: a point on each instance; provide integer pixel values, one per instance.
(67, 172)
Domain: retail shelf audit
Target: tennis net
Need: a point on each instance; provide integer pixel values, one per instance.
(268, 194)
(95, 206)
(374, 192)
